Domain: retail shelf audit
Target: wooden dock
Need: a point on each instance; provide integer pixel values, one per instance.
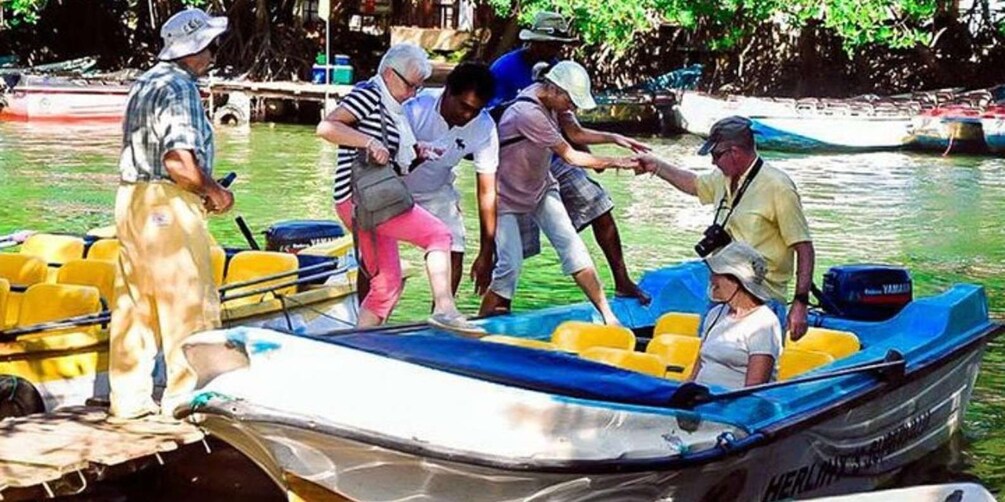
(304, 91)
(65, 452)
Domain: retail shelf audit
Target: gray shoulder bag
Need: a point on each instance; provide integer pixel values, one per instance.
(378, 193)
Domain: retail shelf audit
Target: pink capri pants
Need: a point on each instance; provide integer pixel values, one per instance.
(415, 226)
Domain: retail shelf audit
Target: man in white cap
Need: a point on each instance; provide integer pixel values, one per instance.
(165, 290)
(755, 203)
(529, 134)
(587, 203)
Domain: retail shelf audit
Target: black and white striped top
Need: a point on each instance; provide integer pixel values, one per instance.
(363, 102)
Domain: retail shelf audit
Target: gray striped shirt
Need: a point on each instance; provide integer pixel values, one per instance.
(164, 113)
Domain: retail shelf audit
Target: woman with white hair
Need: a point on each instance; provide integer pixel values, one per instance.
(742, 337)
(366, 117)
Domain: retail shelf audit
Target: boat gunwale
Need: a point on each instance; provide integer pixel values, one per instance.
(786, 427)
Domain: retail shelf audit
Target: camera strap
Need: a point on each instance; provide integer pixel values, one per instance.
(756, 168)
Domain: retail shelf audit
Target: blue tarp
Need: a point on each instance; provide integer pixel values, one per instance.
(545, 371)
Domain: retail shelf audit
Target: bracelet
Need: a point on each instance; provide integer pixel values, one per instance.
(803, 298)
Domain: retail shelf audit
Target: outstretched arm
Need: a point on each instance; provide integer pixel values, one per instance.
(580, 135)
(682, 179)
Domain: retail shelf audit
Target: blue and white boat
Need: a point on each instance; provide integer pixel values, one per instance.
(811, 124)
(411, 413)
(993, 128)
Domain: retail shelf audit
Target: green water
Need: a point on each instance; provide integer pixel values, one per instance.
(941, 217)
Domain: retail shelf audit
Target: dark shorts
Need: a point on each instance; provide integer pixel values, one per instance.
(584, 199)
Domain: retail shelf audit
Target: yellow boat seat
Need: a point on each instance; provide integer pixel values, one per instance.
(577, 336)
(677, 323)
(4, 295)
(836, 343)
(19, 270)
(519, 341)
(48, 302)
(104, 249)
(248, 265)
(218, 259)
(794, 362)
(105, 232)
(97, 273)
(678, 352)
(54, 249)
(626, 359)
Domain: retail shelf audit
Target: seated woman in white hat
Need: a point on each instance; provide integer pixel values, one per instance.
(741, 337)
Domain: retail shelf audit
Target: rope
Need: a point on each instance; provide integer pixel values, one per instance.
(312, 309)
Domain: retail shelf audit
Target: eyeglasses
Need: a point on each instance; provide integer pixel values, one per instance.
(720, 153)
(415, 87)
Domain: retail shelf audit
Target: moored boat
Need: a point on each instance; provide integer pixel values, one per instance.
(61, 99)
(410, 412)
(797, 125)
(56, 292)
(993, 128)
(949, 129)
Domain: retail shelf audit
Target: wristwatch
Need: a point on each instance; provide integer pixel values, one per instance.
(803, 298)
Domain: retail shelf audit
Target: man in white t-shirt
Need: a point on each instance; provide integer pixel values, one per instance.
(453, 121)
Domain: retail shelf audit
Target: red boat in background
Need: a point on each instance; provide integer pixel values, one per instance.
(61, 99)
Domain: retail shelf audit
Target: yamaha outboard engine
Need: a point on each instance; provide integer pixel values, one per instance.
(865, 292)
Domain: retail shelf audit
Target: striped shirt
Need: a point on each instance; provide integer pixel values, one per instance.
(164, 113)
(363, 103)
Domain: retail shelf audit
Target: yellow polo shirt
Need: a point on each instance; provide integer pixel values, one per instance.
(769, 217)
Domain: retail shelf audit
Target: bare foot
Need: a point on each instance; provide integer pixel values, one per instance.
(632, 290)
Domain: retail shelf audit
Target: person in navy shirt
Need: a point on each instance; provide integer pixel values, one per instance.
(587, 203)
(544, 42)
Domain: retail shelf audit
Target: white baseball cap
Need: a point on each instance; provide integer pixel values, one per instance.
(189, 32)
(573, 79)
(743, 262)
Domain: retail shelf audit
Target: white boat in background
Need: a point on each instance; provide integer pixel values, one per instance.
(787, 124)
(411, 413)
(954, 492)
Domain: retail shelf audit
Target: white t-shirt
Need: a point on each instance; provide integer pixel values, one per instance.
(477, 137)
(728, 345)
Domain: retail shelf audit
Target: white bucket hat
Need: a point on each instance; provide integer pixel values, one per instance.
(573, 79)
(189, 32)
(548, 27)
(743, 262)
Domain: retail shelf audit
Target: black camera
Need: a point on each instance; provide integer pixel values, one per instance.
(716, 237)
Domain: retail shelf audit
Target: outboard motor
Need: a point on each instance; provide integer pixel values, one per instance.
(865, 292)
(295, 235)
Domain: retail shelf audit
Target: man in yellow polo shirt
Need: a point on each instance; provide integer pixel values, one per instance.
(755, 203)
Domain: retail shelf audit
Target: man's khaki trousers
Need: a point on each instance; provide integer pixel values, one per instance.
(164, 293)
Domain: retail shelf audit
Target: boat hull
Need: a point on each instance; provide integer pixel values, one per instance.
(854, 447)
(787, 127)
(72, 368)
(65, 104)
(948, 134)
(993, 129)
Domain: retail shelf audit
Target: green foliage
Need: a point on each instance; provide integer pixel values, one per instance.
(23, 11)
(859, 23)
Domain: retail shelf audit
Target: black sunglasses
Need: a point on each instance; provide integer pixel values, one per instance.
(417, 87)
(720, 153)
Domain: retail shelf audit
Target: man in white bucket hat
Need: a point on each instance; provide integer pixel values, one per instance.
(165, 290)
(586, 201)
(529, 134)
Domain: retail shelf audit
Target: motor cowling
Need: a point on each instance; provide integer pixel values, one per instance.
(866, 292)
(295, 235)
